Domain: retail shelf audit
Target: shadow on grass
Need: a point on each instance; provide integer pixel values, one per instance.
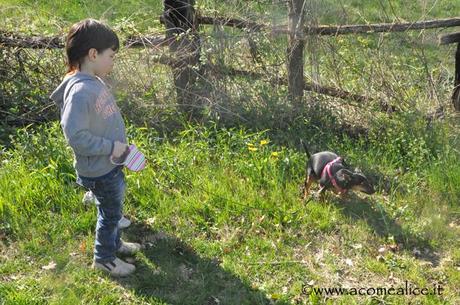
(383, 225)
(171, 272)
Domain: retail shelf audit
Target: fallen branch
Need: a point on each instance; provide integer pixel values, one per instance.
(337, 29)
(9, 39)
(384, 27)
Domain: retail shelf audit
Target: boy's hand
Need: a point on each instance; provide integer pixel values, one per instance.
(119, 149)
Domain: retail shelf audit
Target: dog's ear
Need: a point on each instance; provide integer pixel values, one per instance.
(358, 170)
(344, 175)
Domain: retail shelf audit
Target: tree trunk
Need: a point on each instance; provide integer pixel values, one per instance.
(295, 53)
(456, 95)
(181, 28)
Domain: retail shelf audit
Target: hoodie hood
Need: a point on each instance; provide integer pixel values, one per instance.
(59, 93)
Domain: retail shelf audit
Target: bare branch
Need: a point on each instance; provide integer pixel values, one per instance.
(9, 39)
(14, 40)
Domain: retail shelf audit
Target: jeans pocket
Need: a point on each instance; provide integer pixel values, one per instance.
(115, 175)
(88, 184)
(112, 187)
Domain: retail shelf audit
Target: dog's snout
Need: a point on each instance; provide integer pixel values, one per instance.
(365, 188)
(369, 190)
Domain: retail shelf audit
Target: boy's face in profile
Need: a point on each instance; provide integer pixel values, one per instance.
(103, 63)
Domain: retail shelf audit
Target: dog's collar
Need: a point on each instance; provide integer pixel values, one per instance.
(327, 171)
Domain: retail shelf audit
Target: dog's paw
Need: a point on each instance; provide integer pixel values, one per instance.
(317, 196)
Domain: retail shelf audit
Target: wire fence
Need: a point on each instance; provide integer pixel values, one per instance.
(241, 76)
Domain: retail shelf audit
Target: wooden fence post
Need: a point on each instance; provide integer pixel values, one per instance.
(181, 29)
(295, 52)
(455, 38)
(456, 94)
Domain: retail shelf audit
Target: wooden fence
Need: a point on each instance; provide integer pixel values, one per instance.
(184, 19)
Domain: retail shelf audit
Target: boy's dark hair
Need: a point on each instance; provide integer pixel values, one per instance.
(85, 35)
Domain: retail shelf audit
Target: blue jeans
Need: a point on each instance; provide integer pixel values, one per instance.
(109, 191)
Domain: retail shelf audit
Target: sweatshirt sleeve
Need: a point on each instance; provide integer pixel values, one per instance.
(75, 124)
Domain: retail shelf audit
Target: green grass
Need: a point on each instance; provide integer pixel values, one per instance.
(51, 17)
(223, 221)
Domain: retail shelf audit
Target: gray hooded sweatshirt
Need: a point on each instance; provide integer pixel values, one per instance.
(91, 122)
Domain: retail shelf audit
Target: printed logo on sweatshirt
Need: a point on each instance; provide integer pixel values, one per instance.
(105, 105)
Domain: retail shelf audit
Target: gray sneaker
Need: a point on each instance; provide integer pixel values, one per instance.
(88, 198)
(129, 248)
(124, 223)
(117, 267)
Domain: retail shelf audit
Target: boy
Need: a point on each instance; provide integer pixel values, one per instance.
(93, 127)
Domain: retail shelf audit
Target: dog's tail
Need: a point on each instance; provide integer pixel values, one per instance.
(306, 148)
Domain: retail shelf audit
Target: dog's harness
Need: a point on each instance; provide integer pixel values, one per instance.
(327, 171)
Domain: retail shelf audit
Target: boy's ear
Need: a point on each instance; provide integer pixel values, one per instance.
(92, 54)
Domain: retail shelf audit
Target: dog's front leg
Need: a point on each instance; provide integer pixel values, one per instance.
(344, 195)
(321, 193)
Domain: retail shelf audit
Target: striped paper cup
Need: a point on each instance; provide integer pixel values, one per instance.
(135, 160)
